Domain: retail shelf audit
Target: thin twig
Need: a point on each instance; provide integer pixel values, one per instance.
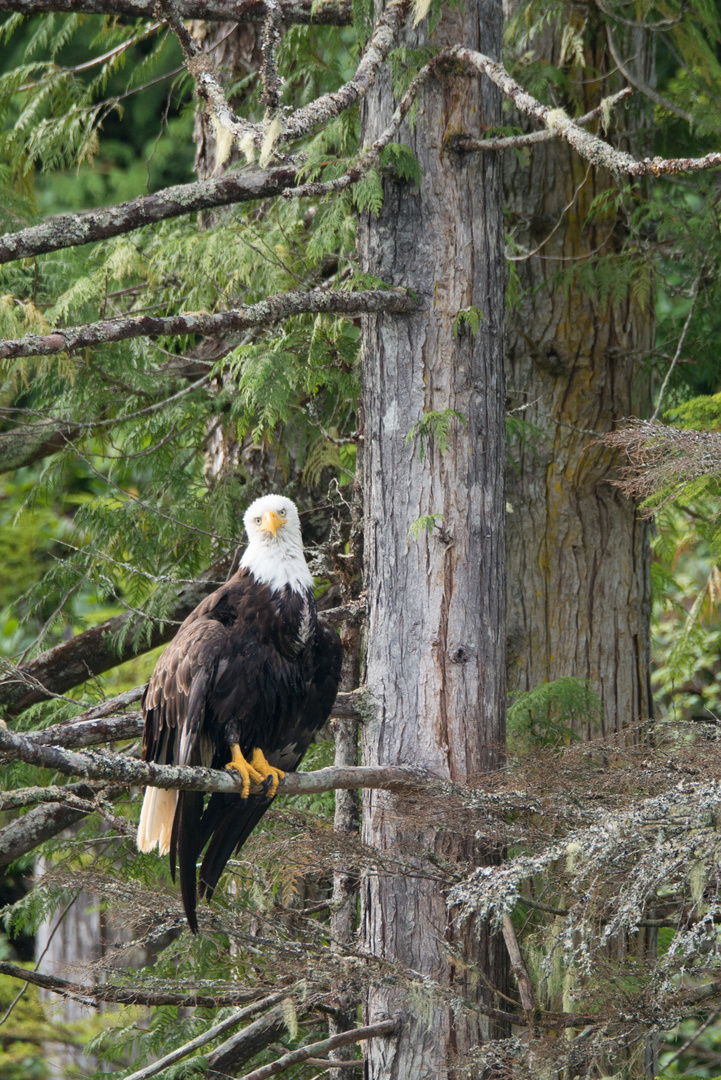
(694, 297)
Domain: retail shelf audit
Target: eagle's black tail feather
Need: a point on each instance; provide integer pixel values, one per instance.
(186, 846)
(230, 821)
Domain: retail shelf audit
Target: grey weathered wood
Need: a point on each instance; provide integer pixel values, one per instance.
(436, 638)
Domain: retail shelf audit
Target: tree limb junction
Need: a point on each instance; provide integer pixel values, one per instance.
(271, 310)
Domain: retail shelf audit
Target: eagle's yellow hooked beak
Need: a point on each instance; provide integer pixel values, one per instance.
(271, 522)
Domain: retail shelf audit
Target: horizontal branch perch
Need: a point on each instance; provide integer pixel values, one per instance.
(71, 230)
(117, 768)
(328, 12)
(124, 995)
(271, 310)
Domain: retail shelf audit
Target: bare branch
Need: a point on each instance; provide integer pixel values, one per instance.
(644, 88)
(34, 828)
(245, 1044)
(373, 1031)
(31, 442)
(327, 12)
(589, 146)
(516, 142)
(71, 230)
(271, 310)
(370, 156)
(694, 297)
(305, 119)
(525, 986)
(124, 995)
(118, 768)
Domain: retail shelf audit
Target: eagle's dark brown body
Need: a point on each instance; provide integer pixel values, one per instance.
(250, 667)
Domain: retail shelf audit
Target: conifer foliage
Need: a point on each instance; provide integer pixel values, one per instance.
(170, 349)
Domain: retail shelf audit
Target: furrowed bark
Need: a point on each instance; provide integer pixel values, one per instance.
(72, 230)
(435, 658)
(329, 12)
(265, 313)
(579, 600)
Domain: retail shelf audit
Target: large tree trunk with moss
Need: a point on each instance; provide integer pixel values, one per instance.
(578, 556)
(435, 665)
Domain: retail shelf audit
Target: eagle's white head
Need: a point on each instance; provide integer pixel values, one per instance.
(274, 554)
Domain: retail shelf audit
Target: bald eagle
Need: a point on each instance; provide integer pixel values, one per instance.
(248, 679)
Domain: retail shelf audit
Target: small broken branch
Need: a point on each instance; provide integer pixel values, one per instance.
(523, 979)
(265, 313)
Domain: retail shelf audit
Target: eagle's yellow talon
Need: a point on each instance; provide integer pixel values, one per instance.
(246, 769)
(267, 771)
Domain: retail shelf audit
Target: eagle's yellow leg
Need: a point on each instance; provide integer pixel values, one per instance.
(247, 769)
(276, 775)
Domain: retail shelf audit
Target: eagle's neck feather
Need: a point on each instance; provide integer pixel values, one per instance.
(278, 564)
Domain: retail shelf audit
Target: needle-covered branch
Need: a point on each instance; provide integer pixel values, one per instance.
(85, 227)
(326, 12)
(265, 313)
(118, 768)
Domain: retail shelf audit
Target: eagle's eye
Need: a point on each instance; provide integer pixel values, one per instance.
(282, 513)
(257, 521)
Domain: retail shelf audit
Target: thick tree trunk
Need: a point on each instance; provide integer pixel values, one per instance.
(578, 557)
(435, 664)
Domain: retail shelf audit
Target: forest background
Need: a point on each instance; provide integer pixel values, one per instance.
(123, 507)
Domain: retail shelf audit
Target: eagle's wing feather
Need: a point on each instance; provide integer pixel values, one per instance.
(227, 822)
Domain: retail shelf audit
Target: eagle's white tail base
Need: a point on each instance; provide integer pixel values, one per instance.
(156, 819)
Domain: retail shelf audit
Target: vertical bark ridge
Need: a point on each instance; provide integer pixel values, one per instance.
(435, 656)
